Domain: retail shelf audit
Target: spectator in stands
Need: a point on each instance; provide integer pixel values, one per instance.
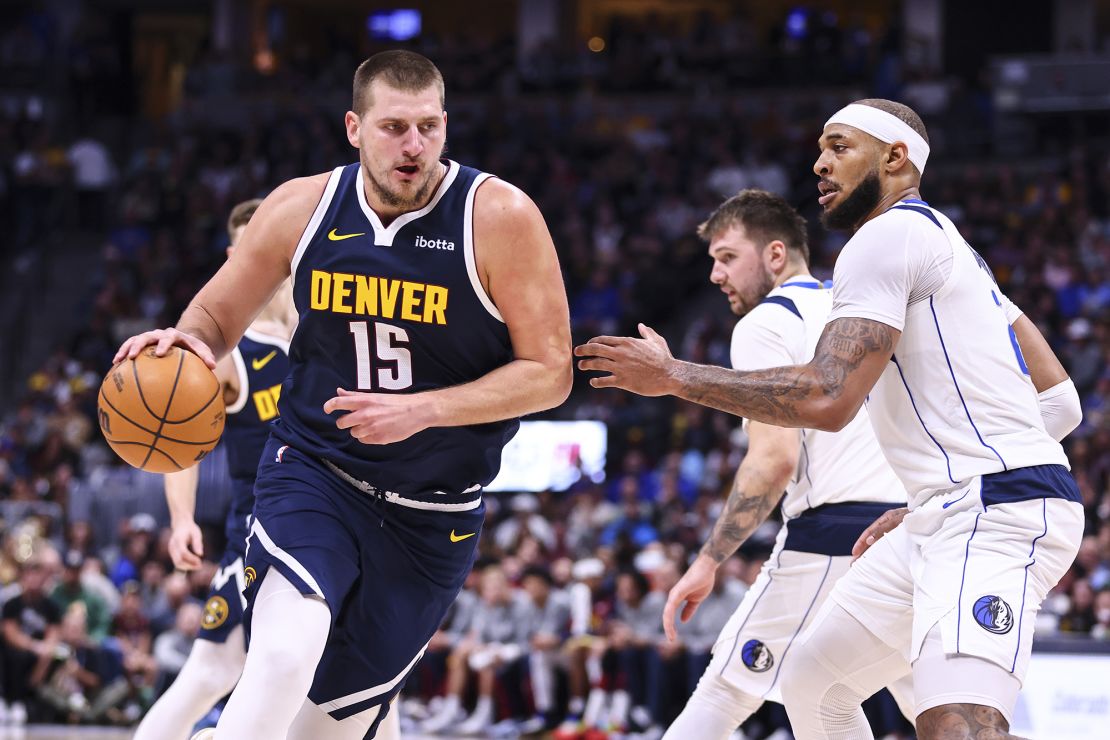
(495, 645)
(171, 648)
(30, 632)
(70, 590)
(550, 628)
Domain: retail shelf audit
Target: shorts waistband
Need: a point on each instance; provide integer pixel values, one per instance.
(396, 498)
(832, 529)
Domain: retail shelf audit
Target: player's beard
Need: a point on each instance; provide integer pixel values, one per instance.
(855, 206)
(394, 199)
(752, 298)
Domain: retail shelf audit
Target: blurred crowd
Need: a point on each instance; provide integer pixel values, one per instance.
(562, 615)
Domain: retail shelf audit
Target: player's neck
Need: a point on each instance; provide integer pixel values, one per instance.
(791, 272)
(889, 200)
(387, 214)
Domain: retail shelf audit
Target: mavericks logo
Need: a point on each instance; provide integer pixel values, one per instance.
(215, 613)
(993, 614)
(756, 656)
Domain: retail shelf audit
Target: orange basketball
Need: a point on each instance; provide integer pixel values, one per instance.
(161, 414)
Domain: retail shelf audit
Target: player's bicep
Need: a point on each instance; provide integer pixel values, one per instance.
(513, 249)
(850, 356)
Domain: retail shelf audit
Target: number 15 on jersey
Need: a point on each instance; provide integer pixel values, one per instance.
(388, 352)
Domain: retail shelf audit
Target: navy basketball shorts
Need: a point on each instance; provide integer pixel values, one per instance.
(388, 572)
(223, 609)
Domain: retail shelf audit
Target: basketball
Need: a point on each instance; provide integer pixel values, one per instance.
(161, 414)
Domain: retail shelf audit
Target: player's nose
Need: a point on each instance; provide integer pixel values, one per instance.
(413, 143)
(821, 166)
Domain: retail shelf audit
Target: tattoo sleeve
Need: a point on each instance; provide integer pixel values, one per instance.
(796, 395)
(964, 722)
(744, 511)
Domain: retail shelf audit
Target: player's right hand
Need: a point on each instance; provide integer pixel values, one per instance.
(888, 521)
(163, 339)
(692, 589)
(186, 546)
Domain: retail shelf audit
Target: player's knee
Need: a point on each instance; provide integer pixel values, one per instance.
(726, 698)
(803, 678)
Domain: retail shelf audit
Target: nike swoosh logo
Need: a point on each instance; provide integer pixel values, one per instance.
(340, 237)
(460, 537)
(949, 503)
(258, 364)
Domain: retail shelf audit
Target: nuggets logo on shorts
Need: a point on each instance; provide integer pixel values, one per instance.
(249, 575)
(756, 656)
(993, 614)
(215, 613)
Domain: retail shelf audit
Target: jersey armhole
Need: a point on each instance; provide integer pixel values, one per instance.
(314, 223)
(241, 371)
(468, 249)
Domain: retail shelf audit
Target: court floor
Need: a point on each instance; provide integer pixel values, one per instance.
(59, 732)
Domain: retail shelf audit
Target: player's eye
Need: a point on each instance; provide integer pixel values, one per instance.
(839, 147)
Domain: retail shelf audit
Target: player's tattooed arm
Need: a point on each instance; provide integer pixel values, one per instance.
(963, 722)
(759, 483)
(824, 394)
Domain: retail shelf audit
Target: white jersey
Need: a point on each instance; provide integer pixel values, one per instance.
(832, 467)
(956, 400)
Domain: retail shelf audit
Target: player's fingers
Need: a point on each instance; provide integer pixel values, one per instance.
(593, 349)
(201, 350)
(196, 543)
(605, 381)
(668, 618)
(596, 363)
(647, 332)
(689, 609)
(341, 403)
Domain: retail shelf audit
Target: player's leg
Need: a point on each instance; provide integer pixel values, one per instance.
(209, 673)
(714, 711)
(313, 723)
(838, 661)
(278, 670)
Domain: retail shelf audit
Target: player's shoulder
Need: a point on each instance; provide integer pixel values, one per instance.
(903, 216)
(500, 201)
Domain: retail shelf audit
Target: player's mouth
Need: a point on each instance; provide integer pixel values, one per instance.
(828, 192)
(407, 171)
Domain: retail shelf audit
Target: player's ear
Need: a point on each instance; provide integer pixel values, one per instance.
(353, 123)
(897, 158)
(774, 255)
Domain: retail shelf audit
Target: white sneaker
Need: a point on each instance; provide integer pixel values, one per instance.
(206, 734)
(442, 721)
(476, 724)
(17, 714)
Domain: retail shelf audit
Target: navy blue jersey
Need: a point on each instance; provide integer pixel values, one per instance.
(397, 309)
(261, 362)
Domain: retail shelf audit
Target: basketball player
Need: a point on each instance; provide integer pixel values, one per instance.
(836, 484)
(432, 316)
(251, 378)
(920, 330)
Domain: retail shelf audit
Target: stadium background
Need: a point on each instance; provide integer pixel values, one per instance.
(128, 129)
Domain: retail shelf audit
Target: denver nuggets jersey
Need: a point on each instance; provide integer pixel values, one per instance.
(955, 401)
(397, 309)
(261, 363)
(832, 468)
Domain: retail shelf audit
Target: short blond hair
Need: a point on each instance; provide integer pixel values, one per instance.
(241, 215)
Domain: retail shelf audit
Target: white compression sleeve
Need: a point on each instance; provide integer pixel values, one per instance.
(209, 673)
(714, 711)
(1060, 409)
(288, 633)
(838, 665)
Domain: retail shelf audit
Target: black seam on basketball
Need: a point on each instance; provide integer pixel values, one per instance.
(139, 386)
(187, 442)
(122, 415)
(150, 448)
(199, 411)
(162, 418)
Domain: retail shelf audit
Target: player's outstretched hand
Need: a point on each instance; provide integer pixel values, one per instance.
(692, 589)
(186, 546)
(642, 366)
(888, 521)
(163, 339)
(378, 418)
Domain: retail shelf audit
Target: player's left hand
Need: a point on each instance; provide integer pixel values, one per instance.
(378, 418)
(888, 521)
(642, 366)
